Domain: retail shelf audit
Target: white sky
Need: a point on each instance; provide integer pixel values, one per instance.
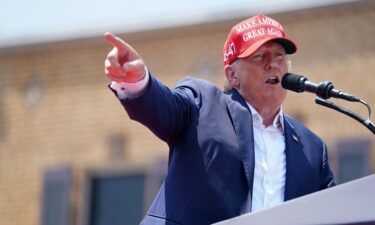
(34, 21)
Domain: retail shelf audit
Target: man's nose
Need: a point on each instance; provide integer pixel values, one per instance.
(271, 61)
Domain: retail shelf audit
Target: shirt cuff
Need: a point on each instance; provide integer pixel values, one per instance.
(130, 90)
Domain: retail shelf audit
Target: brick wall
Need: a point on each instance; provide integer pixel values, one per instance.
(55, 108)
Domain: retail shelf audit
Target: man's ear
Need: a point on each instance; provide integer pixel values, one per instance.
(231, 76)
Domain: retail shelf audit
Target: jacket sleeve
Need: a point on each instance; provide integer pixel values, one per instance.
(166, 112)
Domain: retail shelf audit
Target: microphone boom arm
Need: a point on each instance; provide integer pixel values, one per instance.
(367, 123)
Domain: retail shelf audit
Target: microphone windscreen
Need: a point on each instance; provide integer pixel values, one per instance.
(291, 82)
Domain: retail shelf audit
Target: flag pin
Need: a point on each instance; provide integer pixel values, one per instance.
(295, 138)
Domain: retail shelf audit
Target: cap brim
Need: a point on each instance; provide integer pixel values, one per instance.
(289, 46)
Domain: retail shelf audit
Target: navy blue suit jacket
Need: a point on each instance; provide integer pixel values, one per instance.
(211, 152)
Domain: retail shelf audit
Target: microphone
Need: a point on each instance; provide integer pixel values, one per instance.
(325, 90)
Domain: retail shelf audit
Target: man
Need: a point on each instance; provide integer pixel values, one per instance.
(230, 152)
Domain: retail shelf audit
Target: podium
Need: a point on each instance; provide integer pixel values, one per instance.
(349, 203)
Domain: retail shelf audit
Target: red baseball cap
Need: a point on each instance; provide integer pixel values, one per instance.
(247, 36)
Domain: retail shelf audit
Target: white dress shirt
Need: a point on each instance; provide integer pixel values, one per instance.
(270, 161)
(130, 90)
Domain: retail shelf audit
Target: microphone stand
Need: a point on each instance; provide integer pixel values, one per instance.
(367, 123)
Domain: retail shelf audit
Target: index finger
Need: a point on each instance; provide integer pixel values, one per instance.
(116, 42)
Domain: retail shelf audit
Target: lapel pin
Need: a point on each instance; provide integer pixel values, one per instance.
(295, 138)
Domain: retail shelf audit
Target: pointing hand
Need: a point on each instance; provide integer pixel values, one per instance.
(123, 64)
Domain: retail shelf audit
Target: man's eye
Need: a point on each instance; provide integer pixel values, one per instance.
(257, 57)
(280, 55)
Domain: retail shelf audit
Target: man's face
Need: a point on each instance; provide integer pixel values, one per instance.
(258, 76)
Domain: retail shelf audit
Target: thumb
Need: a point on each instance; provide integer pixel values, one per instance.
(133, 65)
(134, 70)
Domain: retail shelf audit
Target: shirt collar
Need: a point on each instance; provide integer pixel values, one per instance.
(278, 121)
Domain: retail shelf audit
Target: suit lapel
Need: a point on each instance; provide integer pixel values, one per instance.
(294, 157)
(243, 125)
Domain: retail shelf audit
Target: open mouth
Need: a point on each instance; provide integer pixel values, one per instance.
(273, 80)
